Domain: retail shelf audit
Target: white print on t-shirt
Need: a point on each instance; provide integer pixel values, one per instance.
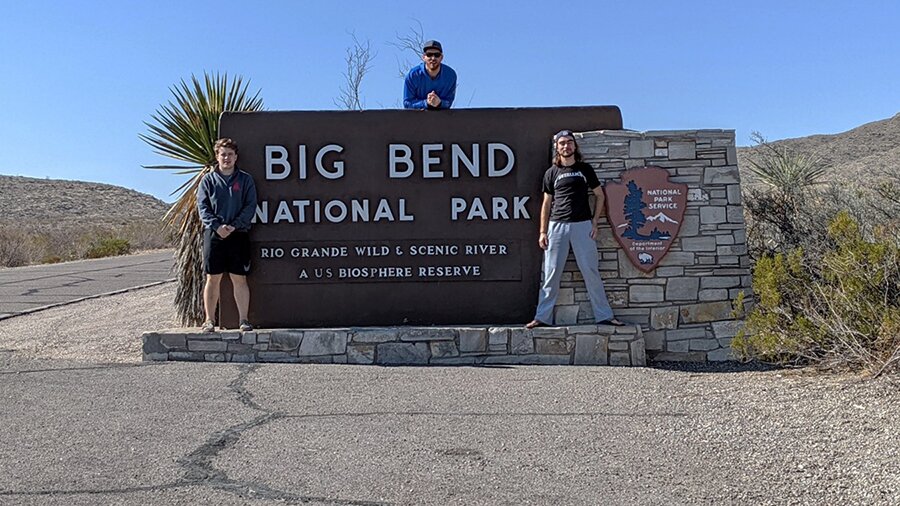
(568, 174)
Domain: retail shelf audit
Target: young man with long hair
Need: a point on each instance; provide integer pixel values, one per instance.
(566, 220)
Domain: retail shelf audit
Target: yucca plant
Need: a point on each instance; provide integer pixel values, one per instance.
(786, 171)
(779, 217)
(186, 129)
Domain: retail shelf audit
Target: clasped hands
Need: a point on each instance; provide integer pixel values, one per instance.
(433, 100)
(224, 231)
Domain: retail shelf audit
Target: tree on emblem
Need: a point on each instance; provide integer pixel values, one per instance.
(635, 216)
(633, 211)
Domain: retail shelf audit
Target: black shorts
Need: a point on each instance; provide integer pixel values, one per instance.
(231, 254)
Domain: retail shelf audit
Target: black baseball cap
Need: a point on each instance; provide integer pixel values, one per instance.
(563, 133)
(432, 44)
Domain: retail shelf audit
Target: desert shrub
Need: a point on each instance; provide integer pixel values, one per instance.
(826, 275)
(839, 308)
(16, 247)
(121, 239)
(788, 202)
(57, 243)
(108, 247)
(145, 235)
(777, 329)
(887, 187)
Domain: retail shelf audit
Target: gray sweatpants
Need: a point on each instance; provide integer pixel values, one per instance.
(560, 236)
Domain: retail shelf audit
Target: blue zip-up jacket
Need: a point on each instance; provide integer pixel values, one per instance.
(419, 84)
(227, 200)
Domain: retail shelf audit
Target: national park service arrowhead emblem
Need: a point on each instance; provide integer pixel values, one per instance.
(645, 211)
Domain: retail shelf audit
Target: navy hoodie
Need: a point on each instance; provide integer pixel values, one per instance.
(227, 200)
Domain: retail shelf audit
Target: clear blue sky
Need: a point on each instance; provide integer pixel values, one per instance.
(78, 79)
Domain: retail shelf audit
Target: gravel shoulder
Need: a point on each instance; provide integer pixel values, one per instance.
(94, 425)
(97, 331)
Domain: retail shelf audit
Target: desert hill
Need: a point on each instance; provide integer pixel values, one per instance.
(31, 201)
(855, 156)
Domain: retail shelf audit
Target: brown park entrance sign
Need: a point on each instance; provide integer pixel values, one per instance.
(397, 217)
(645, 211)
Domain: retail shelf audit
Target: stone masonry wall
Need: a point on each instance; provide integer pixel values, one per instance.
(573, 345)
(685, 305)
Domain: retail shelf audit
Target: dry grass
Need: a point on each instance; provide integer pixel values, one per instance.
(39, 243)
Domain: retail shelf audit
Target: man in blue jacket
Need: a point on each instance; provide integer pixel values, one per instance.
(226, 201)
(431, 85)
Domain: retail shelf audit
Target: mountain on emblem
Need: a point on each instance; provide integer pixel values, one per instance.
(645, 210)
(661, 217)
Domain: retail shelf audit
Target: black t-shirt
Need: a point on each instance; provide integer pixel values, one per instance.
(569, 187)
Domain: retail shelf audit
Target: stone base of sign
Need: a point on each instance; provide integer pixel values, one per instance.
(466, 345)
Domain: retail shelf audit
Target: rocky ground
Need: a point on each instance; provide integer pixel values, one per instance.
(50, 220)
(867, 154)
(55, 201)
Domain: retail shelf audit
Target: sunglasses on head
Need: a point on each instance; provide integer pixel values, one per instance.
(432, 55)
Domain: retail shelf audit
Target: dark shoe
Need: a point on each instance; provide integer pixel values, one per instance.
(613, 321)
(245, 326)
(535, 323)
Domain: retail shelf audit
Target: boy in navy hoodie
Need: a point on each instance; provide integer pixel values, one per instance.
(226, 200)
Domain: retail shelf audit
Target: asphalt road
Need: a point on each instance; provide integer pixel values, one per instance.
(24, 289)
(194, 433)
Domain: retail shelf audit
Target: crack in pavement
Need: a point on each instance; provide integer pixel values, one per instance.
(237, 386)
(77, 281)
(68, 284)
(477, 414)
(200, 471)
(98, 491)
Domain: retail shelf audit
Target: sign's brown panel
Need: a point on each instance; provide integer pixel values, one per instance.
(398, 217)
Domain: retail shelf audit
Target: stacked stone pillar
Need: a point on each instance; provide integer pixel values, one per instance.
(685, 305)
